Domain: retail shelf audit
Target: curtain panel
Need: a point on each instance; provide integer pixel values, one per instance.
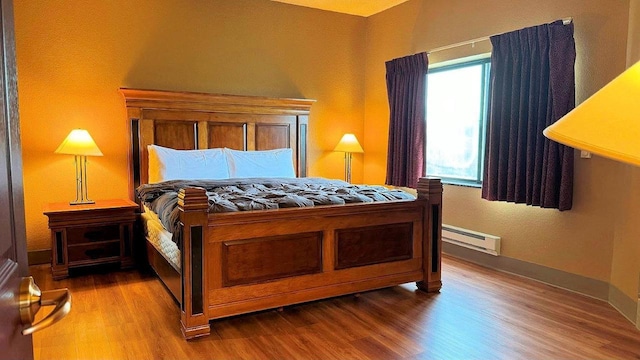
(532, 86)
(406, 90)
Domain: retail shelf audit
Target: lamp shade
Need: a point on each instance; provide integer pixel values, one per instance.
(79, 142)
(607, 123)
(350, 144)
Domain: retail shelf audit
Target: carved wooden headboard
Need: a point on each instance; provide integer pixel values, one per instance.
(185, 120)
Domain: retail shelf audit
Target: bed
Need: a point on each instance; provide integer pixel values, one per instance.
(232, 263)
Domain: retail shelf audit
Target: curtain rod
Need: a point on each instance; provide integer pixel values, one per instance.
(565, 21)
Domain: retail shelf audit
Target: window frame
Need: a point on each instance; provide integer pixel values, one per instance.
(485, 61)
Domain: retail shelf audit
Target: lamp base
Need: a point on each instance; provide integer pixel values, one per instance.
(84, 202)
(82, 197)
(347, 167)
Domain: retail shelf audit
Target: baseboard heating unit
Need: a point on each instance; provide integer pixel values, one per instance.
(486, 243)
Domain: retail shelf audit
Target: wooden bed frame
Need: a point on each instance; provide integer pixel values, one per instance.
(235, 263)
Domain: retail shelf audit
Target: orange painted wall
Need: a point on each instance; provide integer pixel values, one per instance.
(74, 55)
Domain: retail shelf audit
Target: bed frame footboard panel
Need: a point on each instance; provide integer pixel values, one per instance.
(373, 245)
(269, 258)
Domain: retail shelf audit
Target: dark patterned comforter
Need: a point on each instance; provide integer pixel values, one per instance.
(260, 194)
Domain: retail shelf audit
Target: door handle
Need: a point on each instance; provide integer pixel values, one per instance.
(32, 299)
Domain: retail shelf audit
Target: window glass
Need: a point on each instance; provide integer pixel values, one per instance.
(456, 111)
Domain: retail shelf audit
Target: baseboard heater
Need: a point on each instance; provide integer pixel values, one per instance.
(486, 243)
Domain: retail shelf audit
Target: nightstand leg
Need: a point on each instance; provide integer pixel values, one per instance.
(126, 246)
(59, 274)
(59, 265)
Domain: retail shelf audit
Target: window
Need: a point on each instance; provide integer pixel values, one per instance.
(456, 116)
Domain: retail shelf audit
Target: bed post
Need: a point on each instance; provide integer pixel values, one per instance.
(194, 206)
(430, 189)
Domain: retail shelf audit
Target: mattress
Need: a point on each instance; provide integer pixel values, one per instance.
(160, 238)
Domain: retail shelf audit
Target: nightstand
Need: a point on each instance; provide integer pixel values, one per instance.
(85, 235)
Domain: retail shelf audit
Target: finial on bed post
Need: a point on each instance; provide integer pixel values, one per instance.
(193, 199)
(430, 189)
(194, 207)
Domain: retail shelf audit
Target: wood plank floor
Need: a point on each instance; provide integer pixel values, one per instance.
(480, 314)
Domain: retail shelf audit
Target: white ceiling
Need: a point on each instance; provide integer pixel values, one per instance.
(354, 7)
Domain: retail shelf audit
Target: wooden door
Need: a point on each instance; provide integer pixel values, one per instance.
(13, 253)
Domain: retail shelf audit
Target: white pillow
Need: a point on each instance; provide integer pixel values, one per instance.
(170, 164)
(260, 164)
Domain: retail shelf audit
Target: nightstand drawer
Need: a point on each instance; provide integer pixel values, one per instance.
(92, 234)
(94, 253)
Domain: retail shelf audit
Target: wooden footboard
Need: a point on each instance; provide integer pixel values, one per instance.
(235, 263)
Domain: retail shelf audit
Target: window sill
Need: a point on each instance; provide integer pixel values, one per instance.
(462, 183)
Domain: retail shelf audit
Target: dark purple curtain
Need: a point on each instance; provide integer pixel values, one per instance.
(532, 86)
(406, 89)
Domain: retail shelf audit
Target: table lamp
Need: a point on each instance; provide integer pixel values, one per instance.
(348, 144)
(607, 123)
(80, 144)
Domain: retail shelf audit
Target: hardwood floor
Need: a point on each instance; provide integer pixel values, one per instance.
(480, 314)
